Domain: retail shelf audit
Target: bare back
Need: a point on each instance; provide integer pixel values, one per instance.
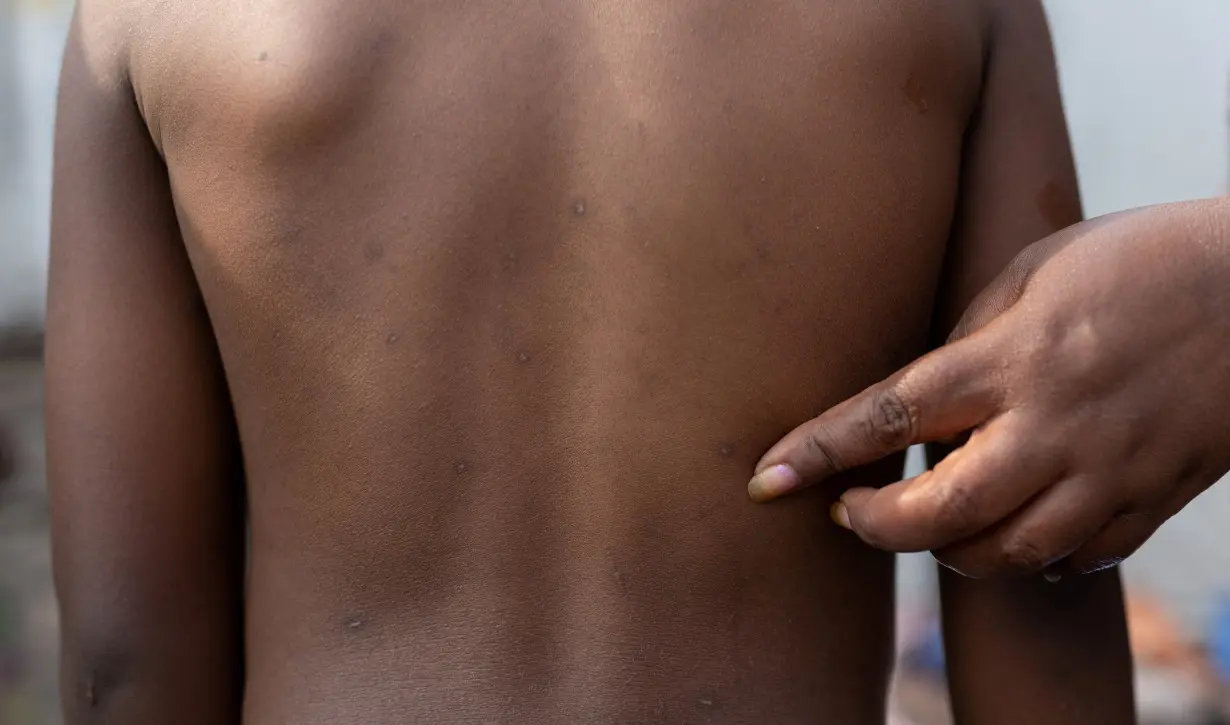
(509, 297)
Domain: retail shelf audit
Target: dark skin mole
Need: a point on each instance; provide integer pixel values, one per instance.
(263, 56)
(621, 581)
(289, 234)
(373, 252)
(914, 92)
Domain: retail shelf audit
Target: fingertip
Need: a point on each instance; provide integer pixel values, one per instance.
(841, 516)
(773, 482)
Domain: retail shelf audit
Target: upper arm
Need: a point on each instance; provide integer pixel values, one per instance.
(1025, 650)
(143, 461)
(1018, 180)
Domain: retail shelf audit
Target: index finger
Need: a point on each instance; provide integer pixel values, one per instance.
(946, 392)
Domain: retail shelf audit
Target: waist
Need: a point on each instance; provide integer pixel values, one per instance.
(572, 640)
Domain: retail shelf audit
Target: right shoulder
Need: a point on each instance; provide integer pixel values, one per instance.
(102, 36)
(119, 49)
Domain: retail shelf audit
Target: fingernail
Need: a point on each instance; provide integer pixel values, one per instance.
(1052, 577)
(840, 515)
(773, 482)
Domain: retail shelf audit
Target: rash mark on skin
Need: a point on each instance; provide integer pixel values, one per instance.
(288, 235)
(373, 252)
(915, 93)
(1059, 209)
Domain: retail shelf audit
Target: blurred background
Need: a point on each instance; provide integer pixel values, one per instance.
(1147, 91)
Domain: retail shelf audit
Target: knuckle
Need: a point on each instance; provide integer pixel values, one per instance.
(893, 422)
(818, 445)
(957, 509)
(1022, 554)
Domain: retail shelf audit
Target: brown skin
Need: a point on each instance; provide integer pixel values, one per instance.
(502, 301)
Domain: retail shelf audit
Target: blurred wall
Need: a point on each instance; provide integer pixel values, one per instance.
(31, 39)
(1145, 86)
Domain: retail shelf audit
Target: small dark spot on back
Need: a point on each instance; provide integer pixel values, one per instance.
(289, 234)
(762, 254)
(524, 356)
(460, 467)
(509, 263)
(264, 56)
(373, 252)
(384, 42)
(915, 93)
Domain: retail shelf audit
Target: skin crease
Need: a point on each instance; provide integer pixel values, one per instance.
(483, 311)
(1066, 369)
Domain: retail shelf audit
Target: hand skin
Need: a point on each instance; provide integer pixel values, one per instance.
(1090, 377)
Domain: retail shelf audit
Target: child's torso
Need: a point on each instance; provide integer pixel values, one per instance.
(511, 296)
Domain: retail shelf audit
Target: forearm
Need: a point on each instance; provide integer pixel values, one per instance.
(1027, 651)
